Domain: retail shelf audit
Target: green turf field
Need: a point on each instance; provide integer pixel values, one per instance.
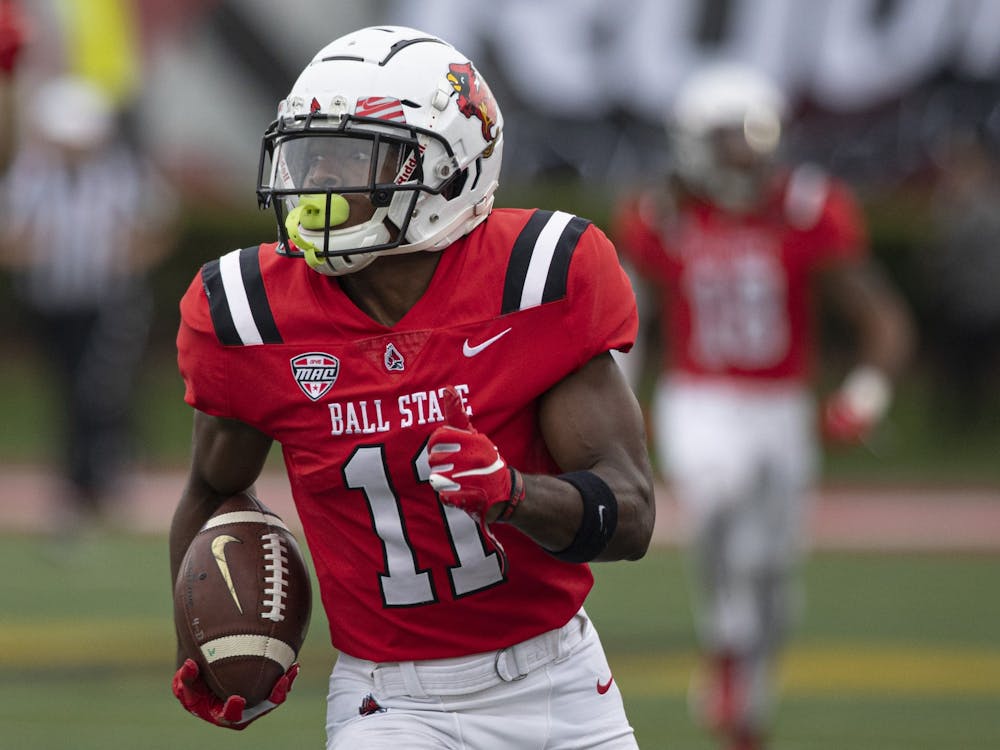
(895, 653)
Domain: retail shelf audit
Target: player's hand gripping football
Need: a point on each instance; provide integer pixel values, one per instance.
(467, 470)
(232, 713)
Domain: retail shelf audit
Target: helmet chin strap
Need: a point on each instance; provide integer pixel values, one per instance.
(307, 225)
(341, 265)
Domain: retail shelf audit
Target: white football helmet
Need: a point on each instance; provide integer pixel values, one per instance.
(389, 142)
(725, 129)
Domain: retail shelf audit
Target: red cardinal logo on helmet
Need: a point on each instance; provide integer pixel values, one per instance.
(475, 100)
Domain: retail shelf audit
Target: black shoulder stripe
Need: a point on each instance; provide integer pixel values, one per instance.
(218, 305)
(555, 282)
(520, 258)
(237, 301)
(538, 270)
(260, 308)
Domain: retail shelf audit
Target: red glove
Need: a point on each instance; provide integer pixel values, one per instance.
(477, 477)
(232, 713)
(13, 32)
(842, 424)
(851, 413)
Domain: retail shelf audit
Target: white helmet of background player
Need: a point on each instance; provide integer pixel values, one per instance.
(389, 142)
(725, 129)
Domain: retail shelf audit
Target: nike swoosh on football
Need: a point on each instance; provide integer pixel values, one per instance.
(219, 553)
(471, 351)
(602, 689)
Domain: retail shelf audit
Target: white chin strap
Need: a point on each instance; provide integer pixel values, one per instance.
(313, 241)
(341, 265)
(460, 226)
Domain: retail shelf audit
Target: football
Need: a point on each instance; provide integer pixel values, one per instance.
(243, 599)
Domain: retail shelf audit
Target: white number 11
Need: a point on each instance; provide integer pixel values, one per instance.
(402, 583)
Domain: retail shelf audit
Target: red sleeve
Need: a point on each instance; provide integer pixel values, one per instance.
(200, 357)
(603, 308)
(840, 233)
(637, 241)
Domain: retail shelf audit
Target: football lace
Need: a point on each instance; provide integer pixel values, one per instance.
(276, 565)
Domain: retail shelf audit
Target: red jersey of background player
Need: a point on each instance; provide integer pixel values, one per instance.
(735, 290)
(522, 301)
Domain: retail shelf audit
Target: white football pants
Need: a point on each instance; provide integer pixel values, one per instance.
(742, 461)
(553, 692)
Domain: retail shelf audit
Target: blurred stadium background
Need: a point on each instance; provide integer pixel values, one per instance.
(901, 643)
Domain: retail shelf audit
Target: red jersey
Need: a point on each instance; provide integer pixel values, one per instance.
(515, 306)
(735, 291)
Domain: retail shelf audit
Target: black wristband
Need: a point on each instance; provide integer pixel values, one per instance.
(600, 517)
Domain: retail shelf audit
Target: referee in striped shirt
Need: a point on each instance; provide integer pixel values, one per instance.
(84, 220)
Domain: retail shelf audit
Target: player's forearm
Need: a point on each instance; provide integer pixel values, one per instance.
(227, 457)
(194, 508)
(552, 514)
(633, 490)
(889, 340)
(190, 514)
(884, 324)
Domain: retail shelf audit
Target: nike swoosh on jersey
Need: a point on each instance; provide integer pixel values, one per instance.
(471, 351)
(602, 689)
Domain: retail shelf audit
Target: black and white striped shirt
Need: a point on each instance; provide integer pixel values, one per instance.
(76, 225)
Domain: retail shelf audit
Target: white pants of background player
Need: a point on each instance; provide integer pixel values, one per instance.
(552, 692)
(742, 460)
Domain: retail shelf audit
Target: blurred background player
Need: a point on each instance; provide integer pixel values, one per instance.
(86, 218)
(735, 249)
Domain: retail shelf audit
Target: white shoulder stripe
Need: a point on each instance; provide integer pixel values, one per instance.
(249, 645)
(541, 259)
(239, 303)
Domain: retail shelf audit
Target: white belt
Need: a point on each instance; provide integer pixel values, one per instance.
(467, 674)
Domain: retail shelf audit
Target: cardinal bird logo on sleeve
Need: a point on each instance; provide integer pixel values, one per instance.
(475, 100)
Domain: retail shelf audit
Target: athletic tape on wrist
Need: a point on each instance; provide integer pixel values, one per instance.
(516, 494)
(600, 517)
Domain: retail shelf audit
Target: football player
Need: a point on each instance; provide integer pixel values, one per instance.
(459, 441)
(734, 247)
